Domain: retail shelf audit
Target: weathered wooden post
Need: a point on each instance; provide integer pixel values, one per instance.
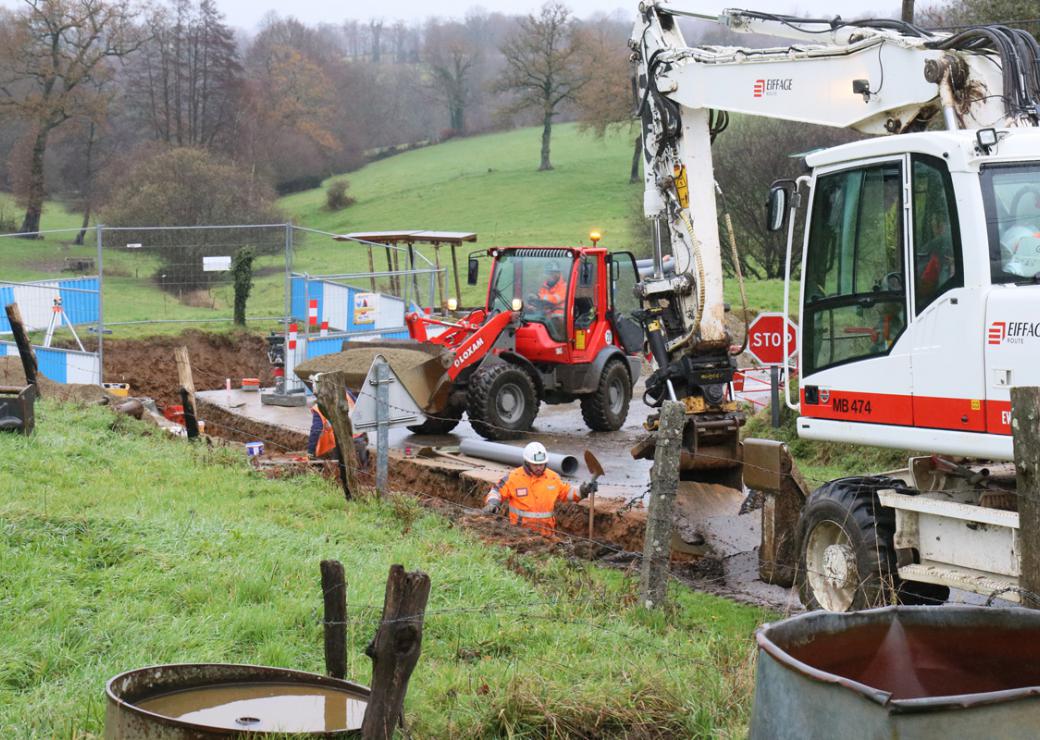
(664, 483)
(395, 650)
(185, 377)
(25, 350)
(334, 592)
(331, 392)
(191, 422)
(1025, 429)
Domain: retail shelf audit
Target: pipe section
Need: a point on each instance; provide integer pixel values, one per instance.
(562, 464)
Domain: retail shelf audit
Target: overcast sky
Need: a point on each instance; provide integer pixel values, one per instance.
(246, 14)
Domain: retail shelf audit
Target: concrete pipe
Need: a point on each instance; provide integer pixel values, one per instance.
(562, 464)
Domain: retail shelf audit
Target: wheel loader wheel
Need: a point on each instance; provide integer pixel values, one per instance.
(501, 402)
(606, 409)
(848, 561)
(441, 423)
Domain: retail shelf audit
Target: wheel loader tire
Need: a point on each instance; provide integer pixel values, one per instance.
(606, 409)
(501, 402)
(847, 560)
(441, 423)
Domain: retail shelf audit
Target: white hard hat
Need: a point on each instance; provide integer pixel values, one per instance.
(535, 454)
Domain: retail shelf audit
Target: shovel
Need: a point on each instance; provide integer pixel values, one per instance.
(597, 470)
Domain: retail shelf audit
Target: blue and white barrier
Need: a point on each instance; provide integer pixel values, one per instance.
(79, 298)
(346, 308)
(62, 365)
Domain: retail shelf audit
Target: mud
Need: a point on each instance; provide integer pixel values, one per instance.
(148, 364)
(11, 374)
(356, 363)
(615, 527)
(238, 428)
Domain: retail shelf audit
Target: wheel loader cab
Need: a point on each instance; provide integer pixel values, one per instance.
(568, 298)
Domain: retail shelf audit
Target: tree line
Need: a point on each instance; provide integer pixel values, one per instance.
(91, 90)
(106, 103)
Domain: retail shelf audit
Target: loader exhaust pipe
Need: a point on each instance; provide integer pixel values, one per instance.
(562, 464)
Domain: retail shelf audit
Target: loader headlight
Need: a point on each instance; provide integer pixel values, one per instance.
(453, 304)
(517, 304)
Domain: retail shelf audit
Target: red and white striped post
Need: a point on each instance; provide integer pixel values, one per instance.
(324, 328)
(312, 312)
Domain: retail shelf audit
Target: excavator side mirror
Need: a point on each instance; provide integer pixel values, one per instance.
(472, 271)
(779, 197)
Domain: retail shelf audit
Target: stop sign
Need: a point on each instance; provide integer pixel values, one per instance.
(767, 341)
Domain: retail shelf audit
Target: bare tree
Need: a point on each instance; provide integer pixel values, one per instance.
(543, 67)
(451, 56)
(607, 102)
(51, 52)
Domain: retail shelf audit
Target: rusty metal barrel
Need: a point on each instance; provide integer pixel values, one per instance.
(899, 672)
(215, 700)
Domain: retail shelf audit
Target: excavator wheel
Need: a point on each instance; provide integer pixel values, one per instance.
(440, 423)
(606, 409)
(848, 560)
(502, 401)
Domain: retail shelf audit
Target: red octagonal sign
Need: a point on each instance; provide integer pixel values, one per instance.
(765, 340)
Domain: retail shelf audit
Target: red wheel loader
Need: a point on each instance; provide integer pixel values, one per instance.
(556, 327)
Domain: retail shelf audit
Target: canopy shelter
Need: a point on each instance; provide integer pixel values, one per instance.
(409, 238)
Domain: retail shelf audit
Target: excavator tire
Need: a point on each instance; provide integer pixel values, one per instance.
(606, 409)
(501, 402)
(441, 423)
(847, 515)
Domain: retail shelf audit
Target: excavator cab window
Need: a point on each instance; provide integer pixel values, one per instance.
(855, 290)
(938, 264)
(1011, 194)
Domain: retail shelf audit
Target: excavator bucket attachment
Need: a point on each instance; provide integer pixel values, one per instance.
(422, 368)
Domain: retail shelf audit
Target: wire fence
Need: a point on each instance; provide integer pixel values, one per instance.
(76, 286)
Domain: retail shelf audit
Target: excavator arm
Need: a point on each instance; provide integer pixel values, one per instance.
(877, 76)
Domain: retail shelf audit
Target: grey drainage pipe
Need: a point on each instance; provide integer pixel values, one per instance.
(563, 464)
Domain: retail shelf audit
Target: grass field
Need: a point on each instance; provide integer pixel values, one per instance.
(485, 184)
(120, 548)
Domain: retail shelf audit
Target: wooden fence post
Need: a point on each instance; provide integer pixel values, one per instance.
(25, 350)
(334, 591)
(185, 377)
(191, 423)
(664, 483)
(395, 650)
(331, 391)
(1025, 429)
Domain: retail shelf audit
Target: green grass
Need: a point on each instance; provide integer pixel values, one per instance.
(121, 548)
(486, 184)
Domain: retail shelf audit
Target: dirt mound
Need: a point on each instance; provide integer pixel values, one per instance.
(150, 369)
(355, 363)
(11, 374)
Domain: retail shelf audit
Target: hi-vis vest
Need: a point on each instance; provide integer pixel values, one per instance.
(327, 440)
(555, 295)
(532, 499)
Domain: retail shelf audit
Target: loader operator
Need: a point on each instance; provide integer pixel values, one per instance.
(531, 492)
(553, 296)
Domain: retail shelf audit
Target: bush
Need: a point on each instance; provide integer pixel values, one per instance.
(336, 198)
(192, 187)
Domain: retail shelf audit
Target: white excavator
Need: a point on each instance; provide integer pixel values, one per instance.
(919, 301)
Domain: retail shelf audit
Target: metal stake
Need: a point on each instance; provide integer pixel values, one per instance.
(774, 394)
(382, 381)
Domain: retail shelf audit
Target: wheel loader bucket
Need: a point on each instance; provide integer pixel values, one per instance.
(421, 368)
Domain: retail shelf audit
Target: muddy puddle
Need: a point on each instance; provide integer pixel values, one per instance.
(262, 707)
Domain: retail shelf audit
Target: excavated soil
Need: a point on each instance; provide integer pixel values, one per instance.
(446, 488)
(11, 374)
(355, 363)
(149, 367)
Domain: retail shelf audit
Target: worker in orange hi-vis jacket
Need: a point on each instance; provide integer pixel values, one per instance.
(531, 492)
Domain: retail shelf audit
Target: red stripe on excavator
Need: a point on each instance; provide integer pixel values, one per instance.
(960, 414)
